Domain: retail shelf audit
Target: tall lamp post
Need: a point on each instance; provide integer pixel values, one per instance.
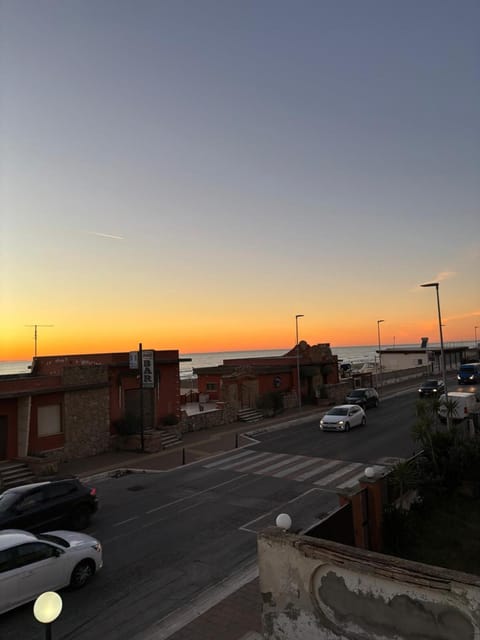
(46, 609)
(476, 343)
(300, 315)
(379, 381)
(440, 325)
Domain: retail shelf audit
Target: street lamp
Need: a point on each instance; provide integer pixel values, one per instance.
(46, 610)
(379, 381)
(300, 315)
(476, 343)
(440, 325)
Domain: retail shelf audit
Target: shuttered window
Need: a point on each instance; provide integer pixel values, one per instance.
(49, 420)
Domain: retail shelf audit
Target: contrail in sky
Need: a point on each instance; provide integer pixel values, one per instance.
(105, 235)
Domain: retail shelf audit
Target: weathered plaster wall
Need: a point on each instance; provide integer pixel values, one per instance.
(319, 590)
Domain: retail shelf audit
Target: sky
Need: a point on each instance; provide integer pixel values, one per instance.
(193, 174)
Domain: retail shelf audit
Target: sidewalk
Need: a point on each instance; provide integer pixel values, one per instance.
(231, 611)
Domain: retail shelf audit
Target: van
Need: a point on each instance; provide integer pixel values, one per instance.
(466, 404)
(469, 373)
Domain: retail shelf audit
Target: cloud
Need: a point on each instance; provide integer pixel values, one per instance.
(463, 316)
(106, 235)
(445, 275)
(440, 277)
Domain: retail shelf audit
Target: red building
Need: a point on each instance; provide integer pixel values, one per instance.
(71, 403)
(245, 380)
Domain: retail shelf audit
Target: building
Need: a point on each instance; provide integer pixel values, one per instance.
(72, 404)
(244, 381)
(430, 359)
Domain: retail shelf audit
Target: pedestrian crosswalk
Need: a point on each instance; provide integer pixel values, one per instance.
(332, 475)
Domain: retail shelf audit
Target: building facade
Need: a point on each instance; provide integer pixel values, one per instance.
(244, 381)
(72, 404)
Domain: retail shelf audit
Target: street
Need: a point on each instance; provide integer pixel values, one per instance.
(168, 536)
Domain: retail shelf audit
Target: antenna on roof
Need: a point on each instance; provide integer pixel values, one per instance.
(35, 332)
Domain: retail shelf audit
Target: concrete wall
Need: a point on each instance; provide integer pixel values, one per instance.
(320, 590)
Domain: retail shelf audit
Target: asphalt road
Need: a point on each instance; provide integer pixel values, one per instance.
(169, 536)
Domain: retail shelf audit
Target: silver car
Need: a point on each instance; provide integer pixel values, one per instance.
(31, 564)
(343, 417)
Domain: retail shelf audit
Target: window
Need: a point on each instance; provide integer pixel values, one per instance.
(33, 552)
(211, 386)
(31, 501)
(6, 560)
(49, 420)
(60, 490)
(419, 361)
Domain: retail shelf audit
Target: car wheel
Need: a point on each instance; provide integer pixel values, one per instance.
(376, 403)
(82, 574)
(347, 426)
(80, 518)
(364, 421)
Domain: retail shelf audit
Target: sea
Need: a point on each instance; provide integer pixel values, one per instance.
(354, 355)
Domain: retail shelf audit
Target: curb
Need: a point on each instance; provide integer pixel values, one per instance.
(207, 599)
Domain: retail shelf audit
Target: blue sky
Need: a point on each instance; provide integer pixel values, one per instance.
(248, 159)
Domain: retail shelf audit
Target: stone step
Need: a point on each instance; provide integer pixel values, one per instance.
(249, 415)
(14, 474)
(170, 438)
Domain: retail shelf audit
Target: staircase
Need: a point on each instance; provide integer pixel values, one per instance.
(170, 438)
(13, 474)
(249, 415)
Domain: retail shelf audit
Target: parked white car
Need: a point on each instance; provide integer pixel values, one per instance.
(31, 564)
(343, 417)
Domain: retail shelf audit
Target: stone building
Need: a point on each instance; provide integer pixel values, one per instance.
(70, 404)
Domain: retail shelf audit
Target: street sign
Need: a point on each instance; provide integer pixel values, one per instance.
(133, 360)
(148, 369)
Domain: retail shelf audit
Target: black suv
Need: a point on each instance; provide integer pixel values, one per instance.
(365, 397)
(47, 505)
(431, 388)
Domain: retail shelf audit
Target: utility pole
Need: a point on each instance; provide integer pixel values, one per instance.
(35, 332)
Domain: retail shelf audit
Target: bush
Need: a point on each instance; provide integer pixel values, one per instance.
(398, 530)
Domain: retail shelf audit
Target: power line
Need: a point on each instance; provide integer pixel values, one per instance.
(35, 332)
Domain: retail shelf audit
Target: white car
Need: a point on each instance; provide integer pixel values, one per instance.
(343, 417)
(31, 564)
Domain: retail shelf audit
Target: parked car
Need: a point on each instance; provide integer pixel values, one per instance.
(343, 417)
(365, 397)
(43, 505)
(431, 388)
(30, 564)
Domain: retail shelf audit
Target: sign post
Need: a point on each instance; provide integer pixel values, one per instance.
(140, 364)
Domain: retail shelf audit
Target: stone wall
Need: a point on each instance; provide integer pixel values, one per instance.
(320, 590)
(86, 412)
(208, 419)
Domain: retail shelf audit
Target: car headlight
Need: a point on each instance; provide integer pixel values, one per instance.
(340, 422)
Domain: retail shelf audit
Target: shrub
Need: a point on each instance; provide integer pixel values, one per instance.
(170, 420)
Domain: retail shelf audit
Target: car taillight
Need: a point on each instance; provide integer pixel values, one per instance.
(93, 492)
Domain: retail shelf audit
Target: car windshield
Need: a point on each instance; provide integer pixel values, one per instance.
(466, 369)
(431, 383)
(7, 500)
(357, 394)
(338, 411)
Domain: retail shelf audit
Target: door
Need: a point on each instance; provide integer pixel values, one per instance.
(7, 580)
(39, 567)
(3, 437)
